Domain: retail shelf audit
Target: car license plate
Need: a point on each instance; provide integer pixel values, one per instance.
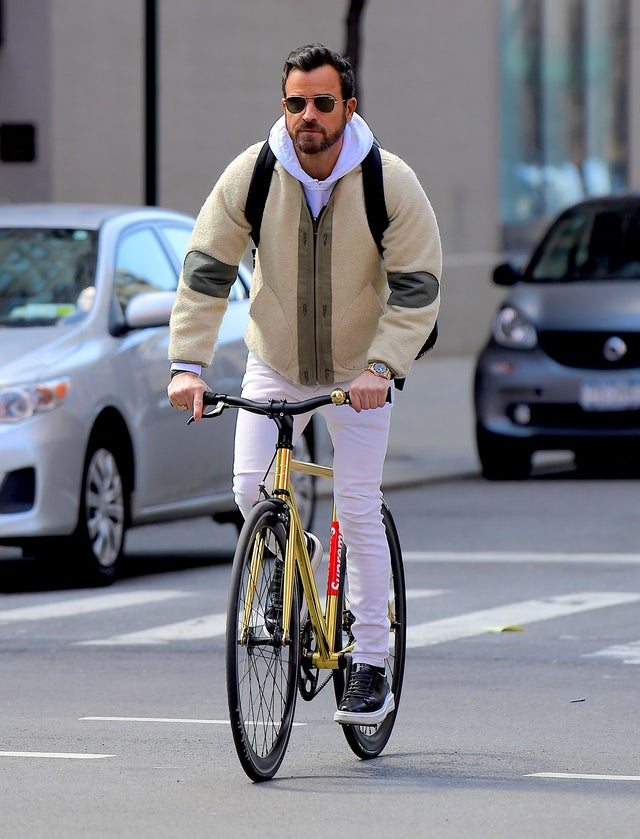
(618, 396)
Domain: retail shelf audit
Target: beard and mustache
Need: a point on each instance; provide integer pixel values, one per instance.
(316, 143)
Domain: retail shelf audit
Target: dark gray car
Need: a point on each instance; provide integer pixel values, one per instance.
(89, 444)
(561, 368)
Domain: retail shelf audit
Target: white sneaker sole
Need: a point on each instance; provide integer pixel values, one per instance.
(370, 718)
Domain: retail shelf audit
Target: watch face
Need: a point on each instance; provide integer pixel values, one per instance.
(380, 369)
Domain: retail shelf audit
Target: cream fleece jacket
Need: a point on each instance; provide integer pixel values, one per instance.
(323, 302)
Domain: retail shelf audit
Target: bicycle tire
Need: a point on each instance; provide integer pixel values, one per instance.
(261, 672)
(368, 741)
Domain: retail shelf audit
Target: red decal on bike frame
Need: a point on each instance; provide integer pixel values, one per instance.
(335, 556)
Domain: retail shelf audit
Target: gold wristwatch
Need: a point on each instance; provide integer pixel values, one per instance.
(379, 369)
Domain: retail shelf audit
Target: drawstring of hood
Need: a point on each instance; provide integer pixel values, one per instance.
(356, 144)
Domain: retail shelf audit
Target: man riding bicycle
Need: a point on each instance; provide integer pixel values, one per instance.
(327, 310)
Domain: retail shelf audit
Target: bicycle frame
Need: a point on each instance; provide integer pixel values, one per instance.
(297, 555)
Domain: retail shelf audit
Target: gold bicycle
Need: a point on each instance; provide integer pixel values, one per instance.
(274, 654)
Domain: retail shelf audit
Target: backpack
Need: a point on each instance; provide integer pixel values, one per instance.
(375, 205)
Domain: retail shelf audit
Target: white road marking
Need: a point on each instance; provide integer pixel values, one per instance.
(208, 626)
(512, 614)
(417, 593)
(166, 720)
(85, 605)
(629, 653)
(580, 777)
(519, 556)
(56, 755)
(155, 719)
(196, 629)
(424, 634)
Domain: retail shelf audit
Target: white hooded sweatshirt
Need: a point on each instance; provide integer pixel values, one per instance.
(356, 144)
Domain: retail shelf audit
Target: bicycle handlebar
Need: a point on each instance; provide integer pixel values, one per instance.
(274, 407)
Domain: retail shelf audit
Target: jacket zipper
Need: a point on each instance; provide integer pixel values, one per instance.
(315, 225)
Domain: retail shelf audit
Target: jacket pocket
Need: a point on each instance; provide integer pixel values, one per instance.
(355, 330)
(269, 334)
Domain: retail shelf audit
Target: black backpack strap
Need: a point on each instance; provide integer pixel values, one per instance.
(258, 190)
(374, 202)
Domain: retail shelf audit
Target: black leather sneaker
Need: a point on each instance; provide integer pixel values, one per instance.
(367, 699)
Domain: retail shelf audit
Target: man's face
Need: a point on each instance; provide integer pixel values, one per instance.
(311, 130)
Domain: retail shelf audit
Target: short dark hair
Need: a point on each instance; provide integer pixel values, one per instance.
(312, 56)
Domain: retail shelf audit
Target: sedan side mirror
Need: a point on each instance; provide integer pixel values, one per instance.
(506, 274)
(152, 308)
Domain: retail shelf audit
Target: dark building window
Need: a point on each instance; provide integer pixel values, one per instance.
(17, 142)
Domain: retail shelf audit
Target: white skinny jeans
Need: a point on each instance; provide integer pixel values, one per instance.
(360, 445)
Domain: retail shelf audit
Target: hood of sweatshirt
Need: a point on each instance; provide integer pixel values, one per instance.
(356, 144)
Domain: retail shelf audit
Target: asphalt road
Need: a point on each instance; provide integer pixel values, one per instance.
(520, 705)
(518, 717)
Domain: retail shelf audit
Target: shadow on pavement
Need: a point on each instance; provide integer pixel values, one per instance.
(23, 575)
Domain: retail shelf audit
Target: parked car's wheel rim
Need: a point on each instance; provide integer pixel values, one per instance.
(104, 507)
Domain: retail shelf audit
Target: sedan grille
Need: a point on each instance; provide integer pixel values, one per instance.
(586, 350)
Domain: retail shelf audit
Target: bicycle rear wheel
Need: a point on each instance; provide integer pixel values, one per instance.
(367, 741)
(261, 672)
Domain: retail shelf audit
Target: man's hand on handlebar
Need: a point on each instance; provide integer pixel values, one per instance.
(368, 391)
(185, 393)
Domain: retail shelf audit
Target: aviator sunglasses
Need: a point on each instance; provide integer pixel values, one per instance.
(324, 103)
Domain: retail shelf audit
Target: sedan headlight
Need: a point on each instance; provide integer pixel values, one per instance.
(22, 401)
(511, 329)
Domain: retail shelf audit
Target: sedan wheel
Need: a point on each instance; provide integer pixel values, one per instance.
(100, 534)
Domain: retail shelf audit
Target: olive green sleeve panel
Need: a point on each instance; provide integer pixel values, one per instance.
(208, 275)
(413, 290)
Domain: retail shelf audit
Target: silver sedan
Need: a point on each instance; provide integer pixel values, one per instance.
(89, 444)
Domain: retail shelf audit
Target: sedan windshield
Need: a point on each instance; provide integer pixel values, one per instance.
(590, 243)
(45, 275)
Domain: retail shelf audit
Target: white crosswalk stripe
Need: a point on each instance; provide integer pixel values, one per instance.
(429, 633)
(513, 557)
(627, 653)
(209, 626)
(196, 629)
(528, 611)
(86, 605)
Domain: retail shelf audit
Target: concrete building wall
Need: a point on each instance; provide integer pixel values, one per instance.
(96, 90)
(429, 88)
(25, 95)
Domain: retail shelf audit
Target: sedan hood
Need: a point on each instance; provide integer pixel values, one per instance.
(26, 354)
(598, 306)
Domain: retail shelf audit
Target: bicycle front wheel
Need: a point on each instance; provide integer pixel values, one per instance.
(261, 671)
(367, 741)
